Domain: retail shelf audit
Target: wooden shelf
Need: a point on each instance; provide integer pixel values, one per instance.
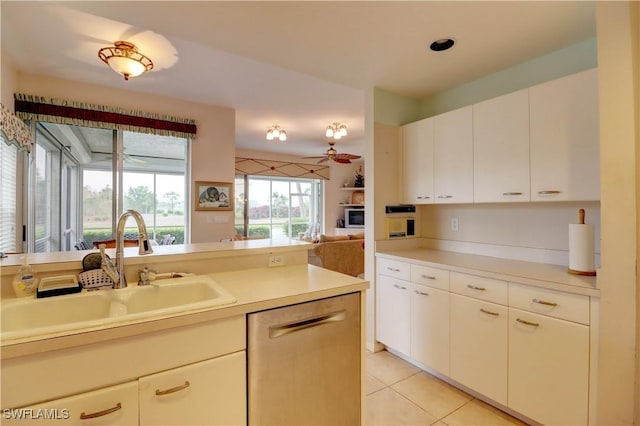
(352, 188)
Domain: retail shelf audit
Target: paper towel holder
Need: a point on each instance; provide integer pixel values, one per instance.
(573, 271)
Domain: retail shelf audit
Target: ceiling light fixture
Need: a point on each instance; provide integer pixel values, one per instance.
(123, 57)
(442, 44)
(275, 132)
(336, 131)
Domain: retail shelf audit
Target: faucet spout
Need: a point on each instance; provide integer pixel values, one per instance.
(143, 241)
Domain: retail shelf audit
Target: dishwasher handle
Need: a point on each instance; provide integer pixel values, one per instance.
(280, 330)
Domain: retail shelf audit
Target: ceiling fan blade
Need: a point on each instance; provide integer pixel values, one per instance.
(323, 160)
(348, 156)
(317, 156)
(341, 160)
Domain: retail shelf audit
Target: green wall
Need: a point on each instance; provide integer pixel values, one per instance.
(396, 110)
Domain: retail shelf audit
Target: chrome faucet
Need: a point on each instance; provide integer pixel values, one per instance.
(117, 273)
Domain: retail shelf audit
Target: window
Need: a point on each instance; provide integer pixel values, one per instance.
(8, 201)
(79, 190)
(277, 208)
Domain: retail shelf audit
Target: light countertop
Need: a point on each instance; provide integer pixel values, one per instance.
(554, 277)
(255, 289)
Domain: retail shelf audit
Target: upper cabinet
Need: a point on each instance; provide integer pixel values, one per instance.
(501, 149)
(417, 162)
(564, 138)
(453, 156)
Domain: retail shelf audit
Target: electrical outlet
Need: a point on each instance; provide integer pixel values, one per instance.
(454, 224)
(276, 260)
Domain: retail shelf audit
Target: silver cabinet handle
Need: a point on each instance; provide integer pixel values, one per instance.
(428, 277)
(445, 196)
(84, 416)
(399, 287)
(421, 293)
(495, 314)
(423, 197)
(393, 269)
(173, 390)
(544, 302)
(532, 324)
(549, 192)
(473, 287)
(510, 194)
(279, 330)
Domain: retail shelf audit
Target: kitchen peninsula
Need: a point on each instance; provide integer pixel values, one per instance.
(183, 367)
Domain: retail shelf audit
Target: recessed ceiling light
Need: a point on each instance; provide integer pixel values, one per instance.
(442, 44)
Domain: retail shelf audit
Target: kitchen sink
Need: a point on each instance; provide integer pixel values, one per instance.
(30, 316)
(176, 294)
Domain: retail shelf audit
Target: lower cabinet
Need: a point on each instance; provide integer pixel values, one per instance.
(394, 319)
(211, 392)
(479, 346)
(430, 327)
(548, 368)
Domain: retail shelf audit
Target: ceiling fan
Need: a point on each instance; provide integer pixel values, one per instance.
(333, 155)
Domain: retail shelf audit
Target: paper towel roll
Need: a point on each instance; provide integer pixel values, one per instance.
(581, 249)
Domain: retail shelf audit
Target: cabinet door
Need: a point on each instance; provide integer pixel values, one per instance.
(501, 149)
(453, 156)
(417, 162)
(115, 405)
(548, 368)
(479, 346)
(565, 138)
(430, 327)
(211, 392)
(393, 313)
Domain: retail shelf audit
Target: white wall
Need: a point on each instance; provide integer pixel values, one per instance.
(213, 150)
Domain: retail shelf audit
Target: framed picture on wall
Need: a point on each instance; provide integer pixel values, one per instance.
(213, 196)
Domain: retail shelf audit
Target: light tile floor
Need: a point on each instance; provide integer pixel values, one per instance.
(399, 393)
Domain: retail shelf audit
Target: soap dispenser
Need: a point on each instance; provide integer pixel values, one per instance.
(24, 282)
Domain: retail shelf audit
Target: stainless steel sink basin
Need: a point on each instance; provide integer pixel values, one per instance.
(30, 316)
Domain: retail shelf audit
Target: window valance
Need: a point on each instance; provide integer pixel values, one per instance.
(253, 166)
(14, 131)
(29, 107)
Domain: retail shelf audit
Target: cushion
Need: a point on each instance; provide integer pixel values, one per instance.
(359, 236)
(329, 238)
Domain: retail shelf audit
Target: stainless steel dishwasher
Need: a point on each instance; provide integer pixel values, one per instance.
(304, 363)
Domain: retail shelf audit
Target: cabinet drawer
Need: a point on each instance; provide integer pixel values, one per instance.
(433, 277)
(394, 268)
(482, 288)
(557, 304)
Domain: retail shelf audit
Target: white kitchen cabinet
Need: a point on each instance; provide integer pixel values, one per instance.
(479, 346)
(417, 162)
(501, 149)
(453, 156)
(211, 392)
(394, 319)
(430, 327)
(548, 368)
(564, 138)
(114, 405)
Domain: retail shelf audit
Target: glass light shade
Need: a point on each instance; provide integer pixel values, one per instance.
(329, 132)
(126, 66)
(276, 132)
(343, 130)
(270, 135)
(283, 136)
(337, 136)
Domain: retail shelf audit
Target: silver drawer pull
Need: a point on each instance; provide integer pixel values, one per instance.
(423, 197)
(495, 314)
(421, 293)
(445, 196)
(544, 302)
(428, 277)
(552, 192)
(281, 330)
(84, 416)
(532, 324)
(393, 269)
(399, 286)
(173, 390)
(511, 194)
(473, 287)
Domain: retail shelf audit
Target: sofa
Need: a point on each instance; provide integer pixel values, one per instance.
(340, 253)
